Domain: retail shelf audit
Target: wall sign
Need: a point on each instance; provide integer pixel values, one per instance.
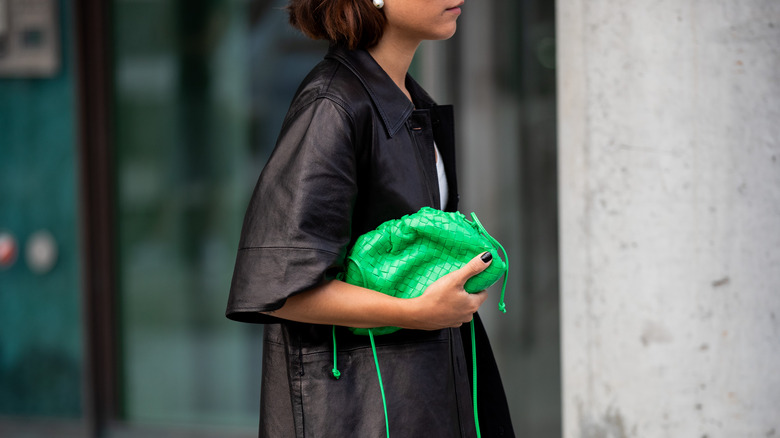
(29, 38)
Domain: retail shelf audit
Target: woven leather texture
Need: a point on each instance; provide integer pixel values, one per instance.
(402, 257)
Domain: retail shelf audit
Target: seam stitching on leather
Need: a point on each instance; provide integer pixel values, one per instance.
(256, 248)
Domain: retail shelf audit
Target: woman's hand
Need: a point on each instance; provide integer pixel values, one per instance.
(445, 303)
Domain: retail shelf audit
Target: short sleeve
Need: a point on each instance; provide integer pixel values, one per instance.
(297, 225)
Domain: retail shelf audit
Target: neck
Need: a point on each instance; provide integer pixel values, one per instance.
(395, 56)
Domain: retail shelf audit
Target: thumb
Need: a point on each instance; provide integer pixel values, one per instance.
(474, 267)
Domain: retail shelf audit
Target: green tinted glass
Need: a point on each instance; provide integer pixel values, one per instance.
(200, 88)
(41, 351)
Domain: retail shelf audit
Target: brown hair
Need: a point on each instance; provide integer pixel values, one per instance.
(351, 23)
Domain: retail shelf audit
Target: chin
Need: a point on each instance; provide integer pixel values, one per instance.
(445, 34)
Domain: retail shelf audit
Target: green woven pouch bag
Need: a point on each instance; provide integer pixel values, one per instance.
(402, 257)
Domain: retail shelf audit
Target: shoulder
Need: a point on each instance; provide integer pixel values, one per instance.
(332, 83)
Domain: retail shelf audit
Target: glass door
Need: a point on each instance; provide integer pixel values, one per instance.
(201, 87)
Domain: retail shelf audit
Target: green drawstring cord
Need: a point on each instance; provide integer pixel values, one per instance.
(501, 307)
(474, 373)
(335, 370)
(379, 376)
(337, 373)
(501, 304)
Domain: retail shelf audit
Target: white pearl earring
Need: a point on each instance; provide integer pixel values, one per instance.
(379, 4)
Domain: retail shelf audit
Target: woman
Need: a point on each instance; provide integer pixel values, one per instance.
(362, 143)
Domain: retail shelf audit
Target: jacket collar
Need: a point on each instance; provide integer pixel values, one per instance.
(391, 103)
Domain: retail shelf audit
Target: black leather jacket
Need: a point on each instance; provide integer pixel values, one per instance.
(353, 152)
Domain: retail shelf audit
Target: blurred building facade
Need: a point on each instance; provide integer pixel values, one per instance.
(131, 136)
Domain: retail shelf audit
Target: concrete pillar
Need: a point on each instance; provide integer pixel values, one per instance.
(669, 164)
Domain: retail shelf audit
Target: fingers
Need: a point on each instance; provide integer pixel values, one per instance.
(480, 297)
(475, 301)
(474, 267)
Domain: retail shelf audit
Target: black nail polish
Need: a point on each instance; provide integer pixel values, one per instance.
(486, 257)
